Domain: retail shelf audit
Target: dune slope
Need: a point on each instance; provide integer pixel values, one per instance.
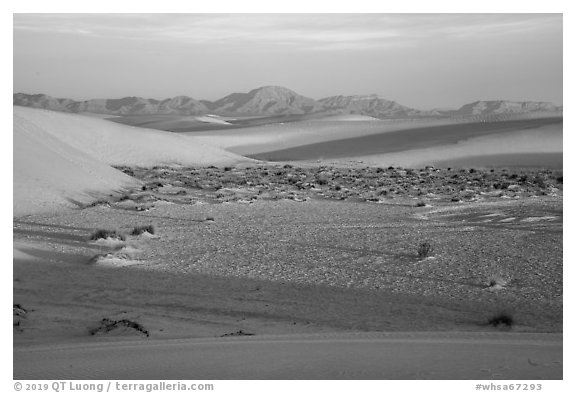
(117, 144)
(64, 159)
(49, 173)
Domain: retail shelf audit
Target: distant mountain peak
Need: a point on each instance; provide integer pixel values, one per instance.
(273, 88)
(489, 107)
(372, 105)
(277, 100)
(265, 100)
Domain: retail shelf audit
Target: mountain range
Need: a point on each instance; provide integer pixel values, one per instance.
(273, 101)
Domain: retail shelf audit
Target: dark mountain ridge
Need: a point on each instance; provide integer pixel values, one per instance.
(275, 101)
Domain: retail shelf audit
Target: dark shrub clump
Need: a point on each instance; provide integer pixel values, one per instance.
(106, 233)
(501, 319)
(107, 325)
(141, 229)
(424, 250)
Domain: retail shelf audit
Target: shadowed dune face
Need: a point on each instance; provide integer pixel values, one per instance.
(409, 139)
(538, 147)
(406, 142)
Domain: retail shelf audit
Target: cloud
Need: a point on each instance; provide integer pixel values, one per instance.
(300, 31)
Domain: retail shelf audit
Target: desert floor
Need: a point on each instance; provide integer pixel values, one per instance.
(243, 256)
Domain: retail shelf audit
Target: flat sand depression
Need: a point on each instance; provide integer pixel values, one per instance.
(372, 356)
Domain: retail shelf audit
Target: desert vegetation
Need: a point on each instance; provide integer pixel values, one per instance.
(424, 250)
(501, 319)
(107, 234)
(138, 230)
(247, 184)
(107, 325)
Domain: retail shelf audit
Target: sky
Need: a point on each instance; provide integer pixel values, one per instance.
(423, 61)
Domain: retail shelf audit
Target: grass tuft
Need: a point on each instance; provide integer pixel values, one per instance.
(501, 319)
(141, 229)
(424, 250)
(107, 233)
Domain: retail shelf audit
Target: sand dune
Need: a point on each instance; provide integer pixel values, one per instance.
(253, 140)
(49, 173)
(276, 137)
(62, 159)
(347, 117)
(211, 119)
(376, 356)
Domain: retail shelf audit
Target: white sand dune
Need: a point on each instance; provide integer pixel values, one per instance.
(63, 159)
(117, 144)
(211, 119)
(49, 173)
(375, 356)
(271, 137)
(253, 140)
(347, 117)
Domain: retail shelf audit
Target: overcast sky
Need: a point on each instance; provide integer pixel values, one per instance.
(420, 60)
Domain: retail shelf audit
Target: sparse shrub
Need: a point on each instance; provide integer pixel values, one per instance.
(424, 250)
(107, 233)
(499, 186)
(99, 202)
(127, 171)
(19, 313)
(107, 325)
(496, 281)
(321, 180)
(237, 333)
(227, 168)
(124, 197)
(501, 319)
(539, 182)
(141, 229)
(420, 204)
